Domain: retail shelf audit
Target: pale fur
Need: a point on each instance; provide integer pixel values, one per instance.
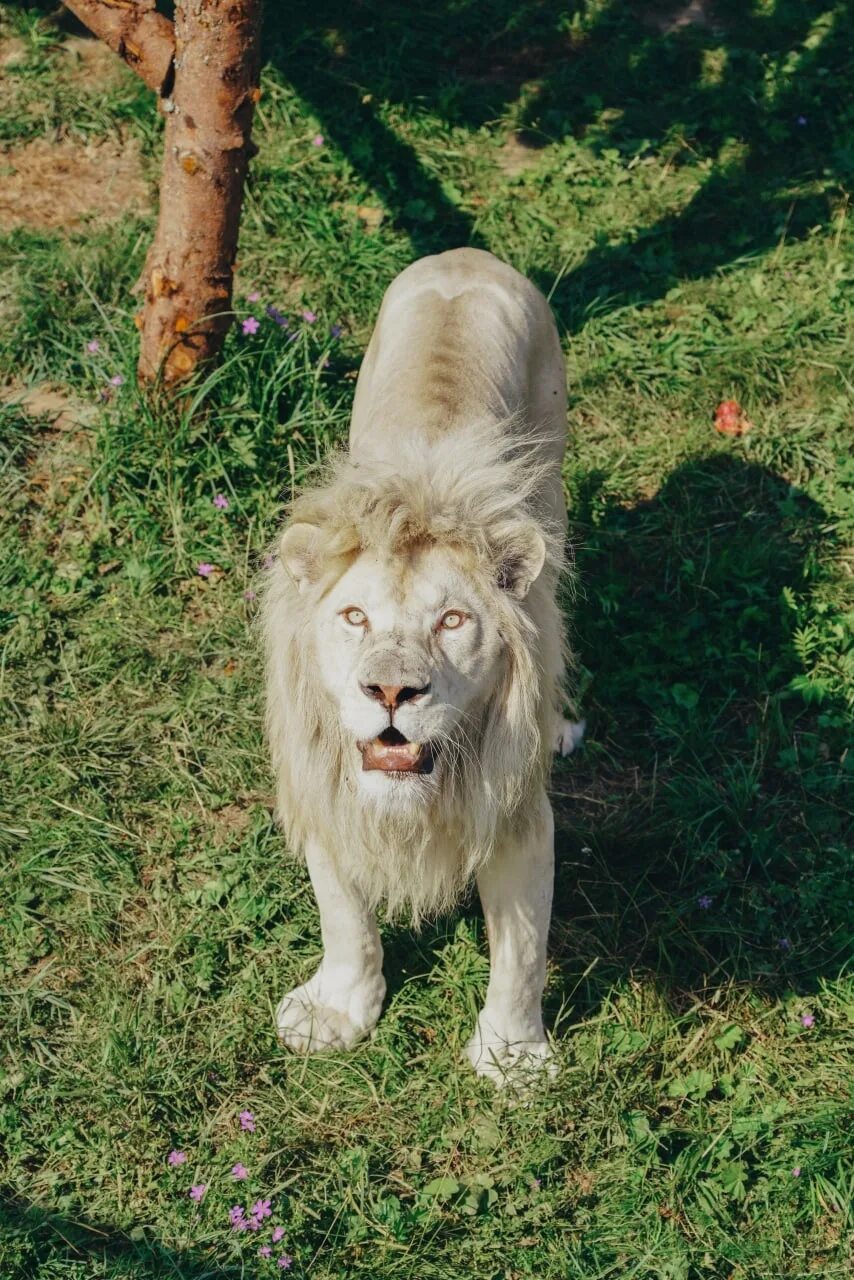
(473, 493)
(456, 441)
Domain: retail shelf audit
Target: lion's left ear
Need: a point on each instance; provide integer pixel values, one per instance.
(522, 561)
(300, 549)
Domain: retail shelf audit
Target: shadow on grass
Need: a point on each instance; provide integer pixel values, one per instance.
(699, 93)
(707, 777)
(40, 1237)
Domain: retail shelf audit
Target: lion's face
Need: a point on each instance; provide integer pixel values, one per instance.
(409, 650)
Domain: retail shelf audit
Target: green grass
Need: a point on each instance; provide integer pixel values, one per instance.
(692, 236)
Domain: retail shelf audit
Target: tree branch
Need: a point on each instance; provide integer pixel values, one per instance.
(134, 30)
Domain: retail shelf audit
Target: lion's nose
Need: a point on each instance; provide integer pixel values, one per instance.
(393, 695)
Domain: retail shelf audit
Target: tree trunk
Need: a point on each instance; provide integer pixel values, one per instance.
(189, 270)
(133, 30)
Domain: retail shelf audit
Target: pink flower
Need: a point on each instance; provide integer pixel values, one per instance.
(261, 1209)
(177, 1157)
(249, 595)
(197, 1191)
(253, 296)
(250, 325)
(278, 1234)
(285, 1262)
(254, 1224)
(247, 1121)
(117, 380)
(807, 1020)
(796, 1172)
(221, 502)
(268, 560)
(318, 140)
(264, 1251)
(235, 1213)
(93, 347)
(205, 570)
(309, 316)
(239, 1171)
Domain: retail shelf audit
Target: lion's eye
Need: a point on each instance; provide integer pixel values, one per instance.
(355, 617)
(452, 620)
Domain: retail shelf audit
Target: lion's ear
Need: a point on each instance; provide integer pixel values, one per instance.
(522, 562)
(300, 551)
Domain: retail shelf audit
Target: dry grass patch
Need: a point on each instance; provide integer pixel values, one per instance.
(47, 184)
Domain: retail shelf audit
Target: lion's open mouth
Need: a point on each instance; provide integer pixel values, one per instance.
(392, 753)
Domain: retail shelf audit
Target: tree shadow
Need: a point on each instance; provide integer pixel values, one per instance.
(36, 1237)
(699, 93)
(701, 834)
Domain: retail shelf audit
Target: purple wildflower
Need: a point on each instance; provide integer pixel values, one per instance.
(253, 296)
(335, 331)
(205, 570)
(268, 561)
(197, 1191)
(264, 1251)
(235, 1213)
(254, 1224)
(239, 1172)
(309, 316)
(277, 316)
(801, 120)
(318, 140)
(249, 595)
(807, 1020)
(250, 325)
(221, 502)
(796, 1172)
(93, 347)
(278, 1234)
(177, 1157)
(247, 1121)
(285, 1262)
(261, 1209)
(704, 901)
(784, 944)
(117, 380)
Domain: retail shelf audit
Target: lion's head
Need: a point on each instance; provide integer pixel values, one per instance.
(414, 649)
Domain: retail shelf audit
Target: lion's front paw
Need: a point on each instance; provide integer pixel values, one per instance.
(514, 1063)
(316, 1017)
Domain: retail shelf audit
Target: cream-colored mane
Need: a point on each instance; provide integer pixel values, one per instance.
(477, 494)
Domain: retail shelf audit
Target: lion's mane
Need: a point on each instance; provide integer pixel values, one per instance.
(479, 494)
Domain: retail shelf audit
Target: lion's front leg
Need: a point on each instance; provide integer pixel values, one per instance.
(341, 1003)
(516, 892)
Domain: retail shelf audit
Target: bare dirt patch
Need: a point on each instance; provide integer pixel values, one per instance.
(521, 151)
(91, 64)
(46, 184)
(12, 52)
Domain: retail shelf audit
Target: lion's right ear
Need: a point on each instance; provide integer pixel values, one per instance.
(300, 549)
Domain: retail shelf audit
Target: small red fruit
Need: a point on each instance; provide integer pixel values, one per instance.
(730, 419)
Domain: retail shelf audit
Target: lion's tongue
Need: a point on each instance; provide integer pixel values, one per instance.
(398, 757)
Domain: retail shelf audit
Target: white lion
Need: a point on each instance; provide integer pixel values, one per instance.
(415, 651)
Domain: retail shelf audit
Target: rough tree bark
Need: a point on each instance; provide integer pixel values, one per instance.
(210, 90)
(190, 266)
